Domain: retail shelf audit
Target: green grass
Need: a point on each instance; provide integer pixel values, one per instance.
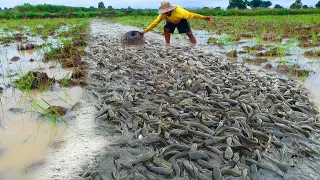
(46, 113)
(283, 26)
(44, 27)
(28, 81)
(64, 80)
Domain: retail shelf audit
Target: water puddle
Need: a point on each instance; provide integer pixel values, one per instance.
(26, 136)
(25, 133)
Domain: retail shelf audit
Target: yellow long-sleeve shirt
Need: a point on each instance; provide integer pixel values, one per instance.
(176, 15)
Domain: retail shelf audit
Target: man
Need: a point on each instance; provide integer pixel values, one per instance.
(175, 16)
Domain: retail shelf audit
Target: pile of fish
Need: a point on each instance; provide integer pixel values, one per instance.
(184, 113)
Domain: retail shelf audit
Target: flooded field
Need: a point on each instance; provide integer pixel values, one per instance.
(36, 92)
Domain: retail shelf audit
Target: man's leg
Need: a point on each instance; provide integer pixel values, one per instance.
(184, 27)
(167, 29)
(167, 35)
(192, 38)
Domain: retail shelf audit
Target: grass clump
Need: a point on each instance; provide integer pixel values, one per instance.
(53, 113)
(34, 80)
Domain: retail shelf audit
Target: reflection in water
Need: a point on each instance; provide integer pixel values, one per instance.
(26, 52)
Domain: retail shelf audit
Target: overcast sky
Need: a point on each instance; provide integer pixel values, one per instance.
(142, 3)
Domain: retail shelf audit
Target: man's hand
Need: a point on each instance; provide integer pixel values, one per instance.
(208, 18)
(142, 32)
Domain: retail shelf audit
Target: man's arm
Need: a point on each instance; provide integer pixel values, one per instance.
(153, 24)
(184, 14)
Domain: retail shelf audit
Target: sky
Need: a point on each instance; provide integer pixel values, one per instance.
(153, 4)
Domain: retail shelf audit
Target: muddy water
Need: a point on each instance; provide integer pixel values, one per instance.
(25, 135)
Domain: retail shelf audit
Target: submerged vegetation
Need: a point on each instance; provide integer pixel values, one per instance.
(53, 113)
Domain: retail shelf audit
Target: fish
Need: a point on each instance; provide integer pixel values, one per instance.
(188, 114)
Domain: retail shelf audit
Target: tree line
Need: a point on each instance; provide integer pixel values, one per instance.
(235, 8)
(233, 4)
(244, 4)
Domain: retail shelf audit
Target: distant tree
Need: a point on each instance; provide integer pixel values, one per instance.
(237, 4)
(218, 8)
(305, 7)
(265, 4)
(5, 8)
(110, 8)
(277, 6)
(101, 5)
(259, 4)
(296, 5)
(255, 3)
(205, 8)
(91, 7)
(130, 10)
(318, 5)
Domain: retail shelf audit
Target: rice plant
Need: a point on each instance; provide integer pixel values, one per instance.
(53, 117)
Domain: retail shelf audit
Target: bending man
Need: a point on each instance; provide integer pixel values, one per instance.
(176, 17)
